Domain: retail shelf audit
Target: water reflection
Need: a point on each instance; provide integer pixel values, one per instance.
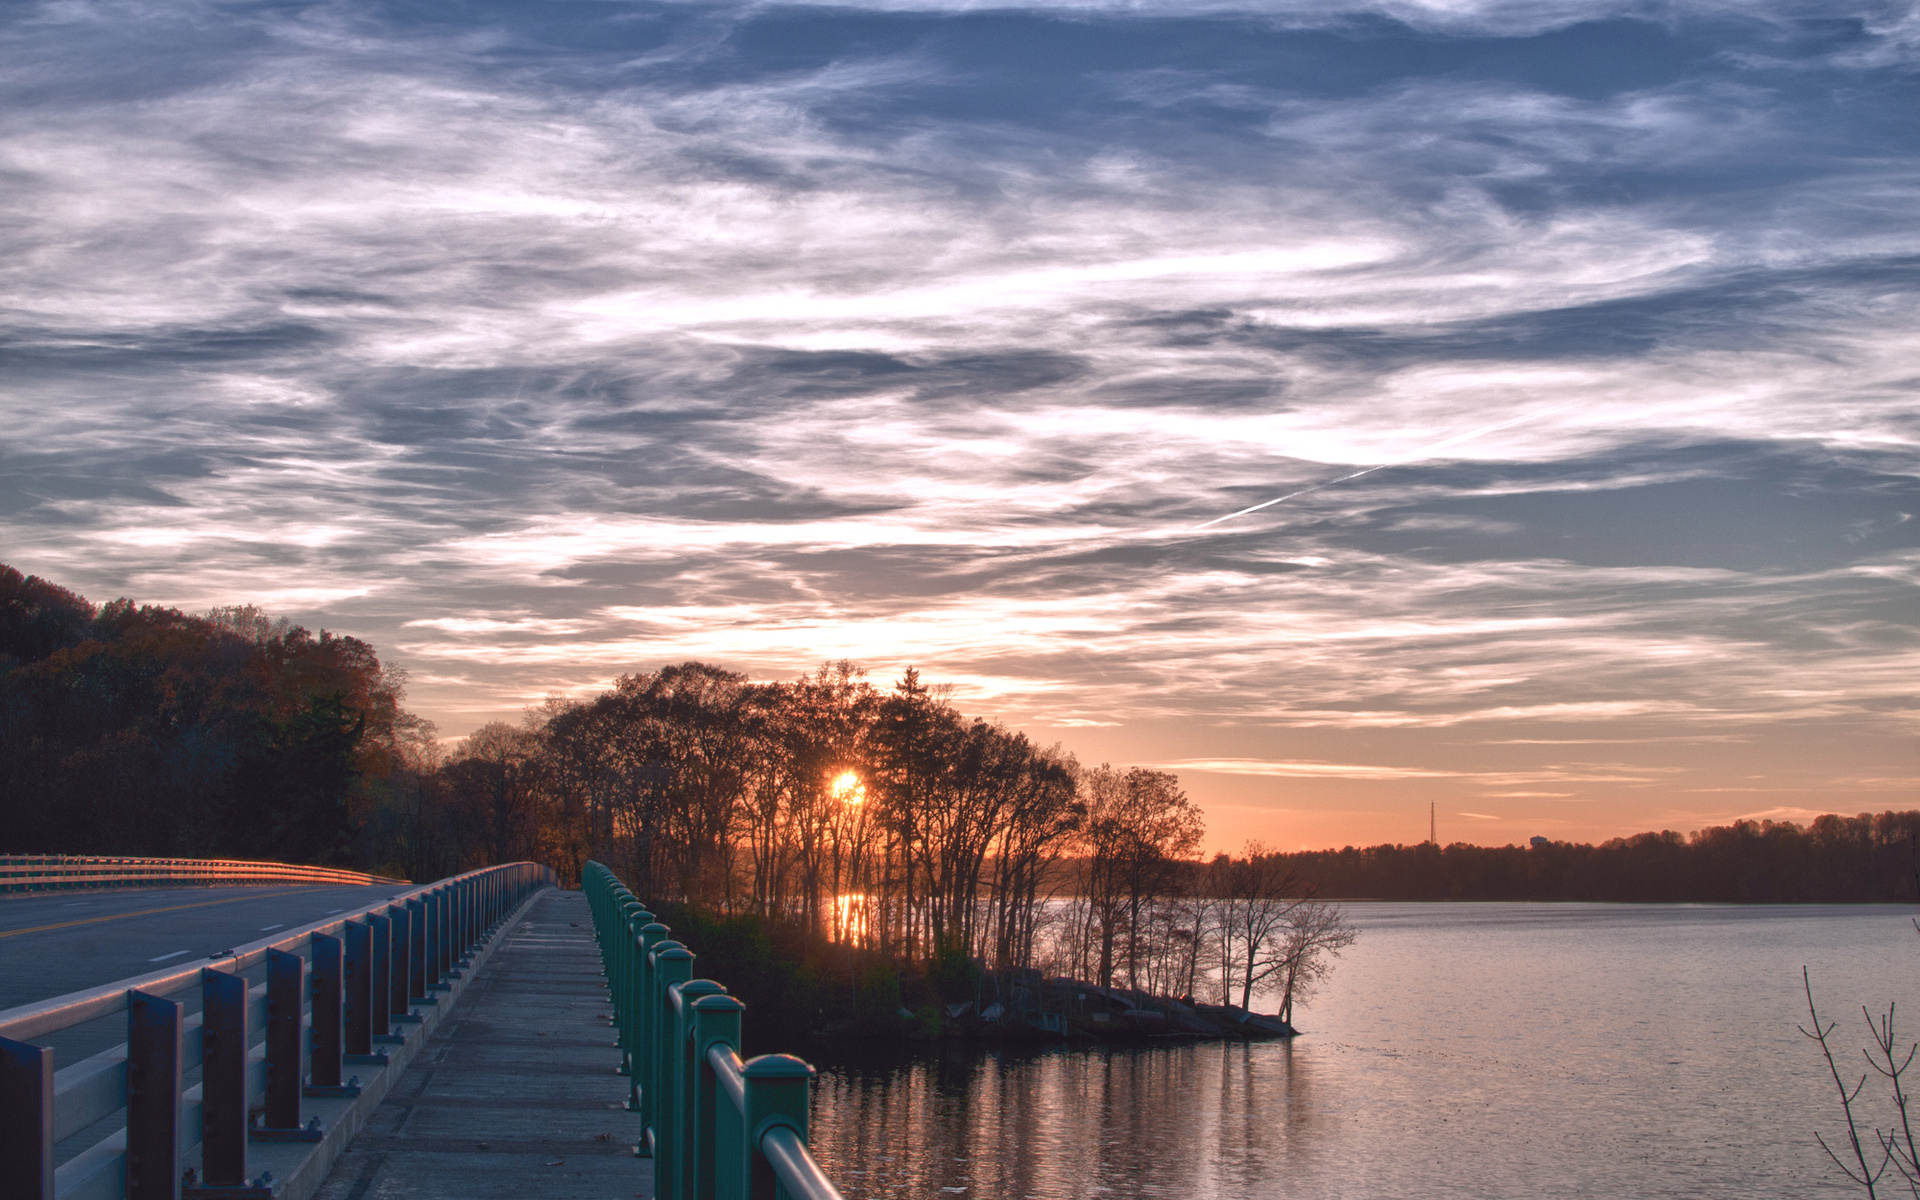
(1059, 1123)
(1464, 1051)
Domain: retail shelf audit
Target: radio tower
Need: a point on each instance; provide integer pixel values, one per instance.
(1432, 829)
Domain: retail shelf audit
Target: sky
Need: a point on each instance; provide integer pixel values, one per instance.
(1569, 348)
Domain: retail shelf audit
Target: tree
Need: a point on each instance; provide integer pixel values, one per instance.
(1315, 933)
(1139, 823)
(1255, 899)
(493, 782)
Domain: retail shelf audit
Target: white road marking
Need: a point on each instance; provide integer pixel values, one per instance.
(332, 911)
(165, 957)
(271, 928)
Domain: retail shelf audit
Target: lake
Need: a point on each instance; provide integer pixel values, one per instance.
(1460, 1050)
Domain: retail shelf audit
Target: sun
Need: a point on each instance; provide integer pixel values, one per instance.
(847, 787)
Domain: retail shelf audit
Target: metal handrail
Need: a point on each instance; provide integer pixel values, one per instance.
(793, 1166)
(368, 969)
(54, 872)
(718, 1128)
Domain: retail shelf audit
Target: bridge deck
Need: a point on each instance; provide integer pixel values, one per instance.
(516, 1095)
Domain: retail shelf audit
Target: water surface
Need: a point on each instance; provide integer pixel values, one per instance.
(1460, 1050)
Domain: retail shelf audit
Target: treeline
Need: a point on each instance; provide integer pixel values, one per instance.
(132, 729)
(863, 817)
(1831, 860)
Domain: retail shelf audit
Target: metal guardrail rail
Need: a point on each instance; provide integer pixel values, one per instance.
(260, 1048)
(718, 1128)
(57, 872)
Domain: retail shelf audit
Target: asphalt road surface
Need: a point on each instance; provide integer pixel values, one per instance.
(59, 942)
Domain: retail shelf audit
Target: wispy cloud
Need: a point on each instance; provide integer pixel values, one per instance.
(543, 346)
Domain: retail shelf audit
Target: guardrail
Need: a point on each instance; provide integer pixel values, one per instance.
(261, 1048)
(718, 1128)
(56, 872)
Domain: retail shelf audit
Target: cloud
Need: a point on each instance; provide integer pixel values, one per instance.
(1299, 769)
(541, 346)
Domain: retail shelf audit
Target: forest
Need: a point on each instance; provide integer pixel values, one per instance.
(844, 813)
(1831, 860)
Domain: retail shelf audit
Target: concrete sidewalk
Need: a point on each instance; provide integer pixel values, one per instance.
(516, 1095)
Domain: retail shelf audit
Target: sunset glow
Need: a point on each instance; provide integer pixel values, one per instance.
(848, 789)
(1352, 407)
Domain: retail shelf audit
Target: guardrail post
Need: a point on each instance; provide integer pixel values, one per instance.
(462, 922)
(417, 952)
(445, 927)
(324, 1050)
(357, 979)
(430, 952)
(26, 1135)
(684, 1069)
(285, 973)
(153, 1097)
(672, 963)
(380, 978)
(716, 1022)
(777, 1087)
(399, 1001)
(449, 933)
(223, 1079)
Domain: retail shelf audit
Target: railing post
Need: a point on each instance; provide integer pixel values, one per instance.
(685, 1068)
(443, 926)
(324, 1054)
(467, 930)
(223, 1079)
(285, 975)
(672, 963)
(400, 993)
(716, 1022)
(626, 985)
(380, 977)
(26, 1131)
(448, 948)
(357, 978)
(777, 1087)
(431, 954)
(623, 952)
(646, 1049)
(417, 952)
(153, 1097)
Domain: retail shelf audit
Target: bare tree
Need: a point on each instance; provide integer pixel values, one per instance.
(1868, 1155)
(1255, 898)
(1139, 826)
(1315, 933)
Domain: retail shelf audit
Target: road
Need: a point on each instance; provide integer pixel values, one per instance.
(53, 943)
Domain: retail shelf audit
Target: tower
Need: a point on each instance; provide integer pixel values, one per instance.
(1432, 828)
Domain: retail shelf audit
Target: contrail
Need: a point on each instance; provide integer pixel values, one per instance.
(1426, 452)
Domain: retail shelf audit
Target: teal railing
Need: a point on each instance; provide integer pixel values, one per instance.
(718, 1128)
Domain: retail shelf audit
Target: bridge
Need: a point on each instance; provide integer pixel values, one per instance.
(484, 1035)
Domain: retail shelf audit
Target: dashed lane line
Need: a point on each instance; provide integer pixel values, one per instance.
(148, 912)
